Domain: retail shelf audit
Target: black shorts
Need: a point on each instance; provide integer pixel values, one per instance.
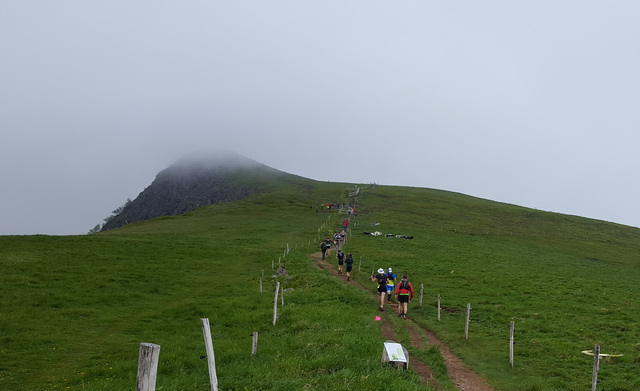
(349, 266)
(403, 298)
(382, 288)
(340, 263)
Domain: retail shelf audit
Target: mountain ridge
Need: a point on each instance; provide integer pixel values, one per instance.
(196, 180)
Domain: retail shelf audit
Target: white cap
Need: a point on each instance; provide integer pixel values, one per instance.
(390, 270)
(381, 270)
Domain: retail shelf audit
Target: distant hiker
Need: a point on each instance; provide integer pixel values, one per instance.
(349, 262)
(404, 293)
(340, 256)
(391, 282)
(327, 241)
(323, 248)
(381, 279)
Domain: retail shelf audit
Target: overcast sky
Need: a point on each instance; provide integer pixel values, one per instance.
(532, 103)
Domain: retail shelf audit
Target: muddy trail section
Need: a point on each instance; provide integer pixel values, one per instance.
(464, 378)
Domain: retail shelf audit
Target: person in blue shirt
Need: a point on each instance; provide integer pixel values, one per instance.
(391, 283)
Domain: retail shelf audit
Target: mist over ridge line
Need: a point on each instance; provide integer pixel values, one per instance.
(195, 180)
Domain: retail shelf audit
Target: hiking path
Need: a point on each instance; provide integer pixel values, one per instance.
(464, 378)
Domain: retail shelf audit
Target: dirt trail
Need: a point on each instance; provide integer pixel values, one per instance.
(464, 378)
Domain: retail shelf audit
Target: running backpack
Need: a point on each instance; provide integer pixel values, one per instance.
(404, 285)
(382, 279)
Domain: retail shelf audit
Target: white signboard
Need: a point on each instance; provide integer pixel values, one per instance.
(395, 352)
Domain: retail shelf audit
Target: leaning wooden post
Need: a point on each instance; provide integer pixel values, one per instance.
(254, 344)
(213, 377)
(147, 367)
(260, 284)
(511, 342)
(275, 304)
(596, 367)
(421, 293)
(438, 307)
(360, 265)
(466, 325)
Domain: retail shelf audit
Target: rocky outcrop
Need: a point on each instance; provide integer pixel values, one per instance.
(195, 181)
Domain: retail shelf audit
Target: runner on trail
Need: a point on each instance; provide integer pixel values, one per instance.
(391, 282)
(349, 262)
(340, 256)
(381, 278)
(323, 248)
(404, 293)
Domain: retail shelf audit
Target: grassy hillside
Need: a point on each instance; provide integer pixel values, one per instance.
(73, 310)
(566, 281)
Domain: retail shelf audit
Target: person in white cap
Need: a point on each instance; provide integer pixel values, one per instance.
(381, 278)
(391, 282)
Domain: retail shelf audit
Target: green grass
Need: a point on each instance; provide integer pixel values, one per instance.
(567, 282)
(73, 310)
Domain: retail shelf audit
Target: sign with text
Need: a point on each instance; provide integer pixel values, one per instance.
(395, 352)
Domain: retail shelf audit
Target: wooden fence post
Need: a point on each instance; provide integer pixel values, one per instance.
(147, 367)
(438, 307)
(596, 367)
(511, 342)
(421, 293)
(254, 345)
(260, 284)
(466, 325)
(213, 376)
(275, 304)
(360, 265)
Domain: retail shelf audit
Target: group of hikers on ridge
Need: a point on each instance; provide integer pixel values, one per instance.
(338, 240)
(387, 284)
(386, 280)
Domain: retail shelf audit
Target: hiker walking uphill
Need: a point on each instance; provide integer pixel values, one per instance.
(391, 282)
(349, 262)
(404, 293)
(340, 256)
(324, 248)
(381, 279)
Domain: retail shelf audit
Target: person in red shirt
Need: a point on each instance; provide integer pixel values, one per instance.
(404, 294)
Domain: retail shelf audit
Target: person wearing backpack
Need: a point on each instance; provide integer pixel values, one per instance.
(391, 282)
(323, 248)
(381, 278)
(340, 256)
(349, 262)
(404, 294)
